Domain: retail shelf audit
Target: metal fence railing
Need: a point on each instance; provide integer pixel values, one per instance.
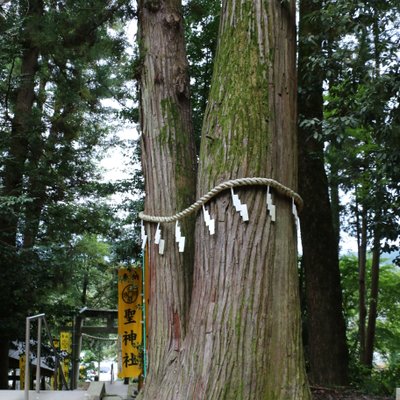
(41, 318)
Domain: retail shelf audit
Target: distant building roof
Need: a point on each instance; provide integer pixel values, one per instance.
(14, 355)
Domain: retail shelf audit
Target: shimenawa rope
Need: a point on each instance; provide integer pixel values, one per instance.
(282, 189)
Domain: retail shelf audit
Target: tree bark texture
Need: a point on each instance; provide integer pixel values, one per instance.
(43, 156)
(376, 247)
(334, 148)
(335, 199)
(243, 339)
(373, 298)
(169, 167)
(326, 332)
(362, 266)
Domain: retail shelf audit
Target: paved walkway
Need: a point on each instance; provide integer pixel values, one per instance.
(43, 395)
(117, 388)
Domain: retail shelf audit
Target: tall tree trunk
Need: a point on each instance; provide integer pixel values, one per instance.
(13, 178)
(376, 247)
(85, 284)
(169, 167)
(244, 338)
(33, 211)
(21, 124)
(36, 181)
(335, 199)
(362, 266)
(36, 191)
(373, 301)
(334, 147)
(326, 331)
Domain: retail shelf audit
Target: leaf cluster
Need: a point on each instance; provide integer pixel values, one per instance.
(360, 123)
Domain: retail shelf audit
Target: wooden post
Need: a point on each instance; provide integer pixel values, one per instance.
(76, 350)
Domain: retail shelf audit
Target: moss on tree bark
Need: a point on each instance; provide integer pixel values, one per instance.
(169, 167)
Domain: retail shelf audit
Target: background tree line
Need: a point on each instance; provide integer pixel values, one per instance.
(58, 59)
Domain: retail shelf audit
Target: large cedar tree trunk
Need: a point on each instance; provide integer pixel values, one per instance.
(243, 338)
(326, 334)
(376, 248)
(169, 167)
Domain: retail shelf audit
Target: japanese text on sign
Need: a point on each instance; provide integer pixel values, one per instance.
(130, 321)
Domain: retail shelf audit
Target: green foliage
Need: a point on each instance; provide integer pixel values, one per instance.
(201, 30)
(382, 378)
(75, 274)
(361, 122)
(87, 365)
(378, 381)
(124, 233)
(6, 202)
(60, 210)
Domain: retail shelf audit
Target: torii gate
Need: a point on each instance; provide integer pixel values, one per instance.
(78, 328)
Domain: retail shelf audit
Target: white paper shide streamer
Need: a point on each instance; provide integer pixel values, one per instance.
(210, 222)
(143, 235)
(271, 207)
(295, 213)
(240, 208)
(179, 238)
(158, 240)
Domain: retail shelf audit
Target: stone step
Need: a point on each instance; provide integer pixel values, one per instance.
(118, 388)
(96, 390)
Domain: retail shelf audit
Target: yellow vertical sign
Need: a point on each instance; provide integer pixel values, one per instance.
(130, 321)
(22, 361)
(66, 342)
(66, 347)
